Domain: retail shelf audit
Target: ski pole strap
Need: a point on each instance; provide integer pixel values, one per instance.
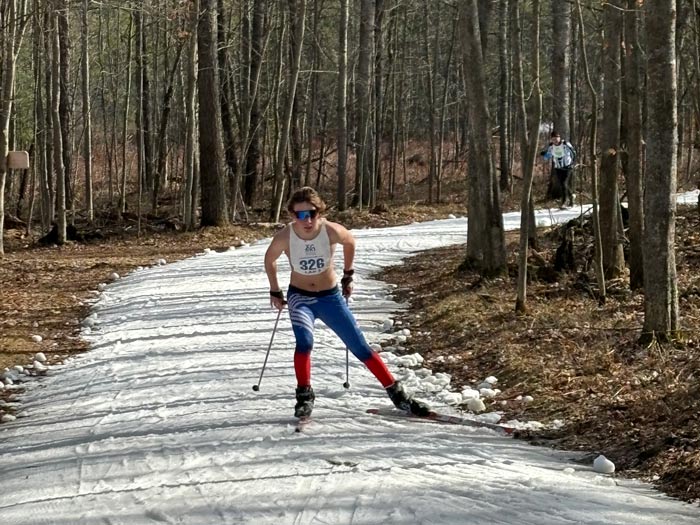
(279, 294)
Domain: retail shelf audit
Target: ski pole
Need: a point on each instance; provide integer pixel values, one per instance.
(257, 387)
(347, 360)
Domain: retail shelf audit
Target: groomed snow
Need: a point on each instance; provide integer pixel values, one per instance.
(158, 422)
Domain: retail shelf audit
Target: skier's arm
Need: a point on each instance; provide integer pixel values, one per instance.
(273, 253)
(341, 235)
(547, 153)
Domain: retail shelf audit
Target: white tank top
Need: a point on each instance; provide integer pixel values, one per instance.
(311, 257)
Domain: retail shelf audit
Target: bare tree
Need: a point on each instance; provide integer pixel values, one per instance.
(593, 159)
(661, 313)
(633, 86)
(611, 228)
(87, 121)
(491, 237)
(251, 129)
(363, 185)
(341, 105)
(66, 100)
(530, 136)
(11, 41)
(190, 119)
(504, 95)
(213, 196)
(57, 130)
(297, 10)
(561, 56)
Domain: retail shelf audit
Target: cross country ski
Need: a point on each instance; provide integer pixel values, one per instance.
(442, 418)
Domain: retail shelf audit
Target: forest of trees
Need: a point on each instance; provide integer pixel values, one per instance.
(218, 108)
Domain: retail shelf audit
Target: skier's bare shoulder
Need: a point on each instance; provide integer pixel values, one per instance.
(338, 234)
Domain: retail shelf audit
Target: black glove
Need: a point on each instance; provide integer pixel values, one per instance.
(346, 283)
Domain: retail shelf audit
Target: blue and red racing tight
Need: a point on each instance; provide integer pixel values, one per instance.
(330, 307)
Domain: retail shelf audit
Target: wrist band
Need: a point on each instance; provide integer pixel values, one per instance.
(349, 273)
(278, 294)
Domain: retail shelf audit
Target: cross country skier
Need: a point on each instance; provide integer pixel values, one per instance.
(309, 242)
(563, 156)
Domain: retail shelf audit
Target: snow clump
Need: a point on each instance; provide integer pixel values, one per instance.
(476, 405)
(603, 465)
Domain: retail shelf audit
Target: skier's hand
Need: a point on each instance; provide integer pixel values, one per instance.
(346, 283)
(277, 299)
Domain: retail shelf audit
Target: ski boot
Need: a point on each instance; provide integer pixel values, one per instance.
(305, 401)
(402, 401)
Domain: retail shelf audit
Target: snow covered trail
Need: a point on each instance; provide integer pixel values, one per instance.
(158, 422)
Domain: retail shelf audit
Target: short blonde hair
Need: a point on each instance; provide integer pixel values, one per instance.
(306, 194)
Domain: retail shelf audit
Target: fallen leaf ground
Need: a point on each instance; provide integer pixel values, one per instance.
(579, 361)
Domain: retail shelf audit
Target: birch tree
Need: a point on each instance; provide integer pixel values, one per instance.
(14, 14)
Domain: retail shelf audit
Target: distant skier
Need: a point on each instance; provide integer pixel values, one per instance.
(563, 156)
(309, 242)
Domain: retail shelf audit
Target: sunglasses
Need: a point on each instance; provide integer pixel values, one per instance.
(302, 215)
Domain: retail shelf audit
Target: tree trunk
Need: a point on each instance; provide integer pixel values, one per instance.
(504, 96)
(213, 196)
(561, 56)
(661, 314)
(143, 110)
(362, 99)
(66, 103)
(10, 32)
(378, 98)
(125, 116)
(561, 38)
(87, 144)
(633, 84)
(190, 95)
(226, 93)
(57, 130)
(598, 252)
(492, 241)
(253, 153)
(430, 93)
(41, 163)
(312, 107)
(341, 105)
(531, 126)
(297, 9)
(613, 255)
